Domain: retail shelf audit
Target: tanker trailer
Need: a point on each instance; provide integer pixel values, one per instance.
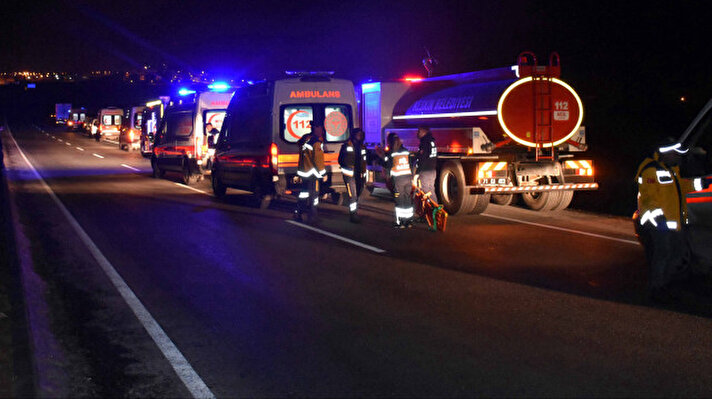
(499, 133)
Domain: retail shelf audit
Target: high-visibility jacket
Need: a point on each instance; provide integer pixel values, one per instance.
(352, 158)
(311, 157)
(398, 163)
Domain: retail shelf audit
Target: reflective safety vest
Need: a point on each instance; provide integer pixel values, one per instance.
(399, 163)
(350, 161)
(311, 158)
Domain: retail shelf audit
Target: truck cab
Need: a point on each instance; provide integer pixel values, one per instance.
(674, 217)
(130, 135)
(257, 149)
(181, 143)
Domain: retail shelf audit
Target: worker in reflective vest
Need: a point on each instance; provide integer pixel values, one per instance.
(426, 162)
(310, 170)
(352, 160)
(397, 163)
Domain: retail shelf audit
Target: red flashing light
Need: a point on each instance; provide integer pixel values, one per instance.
(274, 158)
(412, 79)
(483, 118)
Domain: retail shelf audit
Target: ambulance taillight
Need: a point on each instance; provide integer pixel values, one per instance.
(274, 158)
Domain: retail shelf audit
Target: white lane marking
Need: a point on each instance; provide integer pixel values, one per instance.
(111, 141)
(68, 143)
(180, 364)
(130, 167)
(80, 149)
(97, 155)
(336, 236)
(60, 140)
(585, 233)
(192, 188)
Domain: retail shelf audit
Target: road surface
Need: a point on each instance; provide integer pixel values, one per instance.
(511, 302)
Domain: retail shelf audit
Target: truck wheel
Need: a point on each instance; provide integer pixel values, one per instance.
(481, 203)
(502, 199)
(452, 190)
(219, 189)
(565, 198)
(540, 201)
(157, 172)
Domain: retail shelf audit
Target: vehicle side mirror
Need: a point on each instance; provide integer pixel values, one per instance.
(695, 163)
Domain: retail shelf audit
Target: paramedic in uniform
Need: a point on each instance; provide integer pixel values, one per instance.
(397, 165)
(426, 162)
(352, 160)
(311, 169)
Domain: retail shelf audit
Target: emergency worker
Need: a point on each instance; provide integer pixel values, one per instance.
(310, 170)
(352, 160)
(212, 134)
(95, 130)
(426, 162)
(397, 163)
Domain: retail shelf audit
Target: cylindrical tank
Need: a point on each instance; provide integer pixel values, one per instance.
(526, 111)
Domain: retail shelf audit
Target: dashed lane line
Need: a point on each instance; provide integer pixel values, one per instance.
(547, 226)
(68, 143)
(180, 364)
(192, 188)
(80, 148)
(97, 155)
(337, 237)
(130, 167)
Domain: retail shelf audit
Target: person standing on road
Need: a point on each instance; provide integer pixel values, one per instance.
(426, 163)
(95, 130)
(310, 170)
(352, 160)
(397, 163)
(212, 134)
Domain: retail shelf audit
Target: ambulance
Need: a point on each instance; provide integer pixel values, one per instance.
(150, 121)
(76, 119)
(110, 120)
(181, 143)
(257, 149)
(131, 130)
(673, 221)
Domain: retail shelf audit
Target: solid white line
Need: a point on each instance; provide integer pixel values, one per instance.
(97, 155)
(192, 188)
(585, 233)
(180, 364)
(80, 149)
(130, 167)
(336, 236)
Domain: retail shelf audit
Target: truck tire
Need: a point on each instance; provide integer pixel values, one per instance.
(502, 199)
(565, 198)
(452, 190)
(542, 201)
(481, 203)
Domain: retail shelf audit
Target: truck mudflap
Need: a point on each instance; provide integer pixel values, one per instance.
(537, 189)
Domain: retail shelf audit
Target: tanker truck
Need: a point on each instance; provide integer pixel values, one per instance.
(499, 133)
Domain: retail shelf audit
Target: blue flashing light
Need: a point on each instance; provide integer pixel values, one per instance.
(219, 86)
(370, 87)
(185, 92)
(31, 86)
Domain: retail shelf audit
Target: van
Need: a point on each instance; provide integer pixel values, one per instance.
(257, 149)
(110, 120)
(77, 117)
(181, 144)
(131, 131)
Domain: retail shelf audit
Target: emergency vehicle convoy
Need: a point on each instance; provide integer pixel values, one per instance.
(181, 143)
(257, 149)
(674, 216)
(76, 119)
(498, 132)
(131, 130)
(150, 120)
(110, 120)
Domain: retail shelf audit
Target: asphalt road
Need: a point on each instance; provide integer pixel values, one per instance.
(512, 302)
